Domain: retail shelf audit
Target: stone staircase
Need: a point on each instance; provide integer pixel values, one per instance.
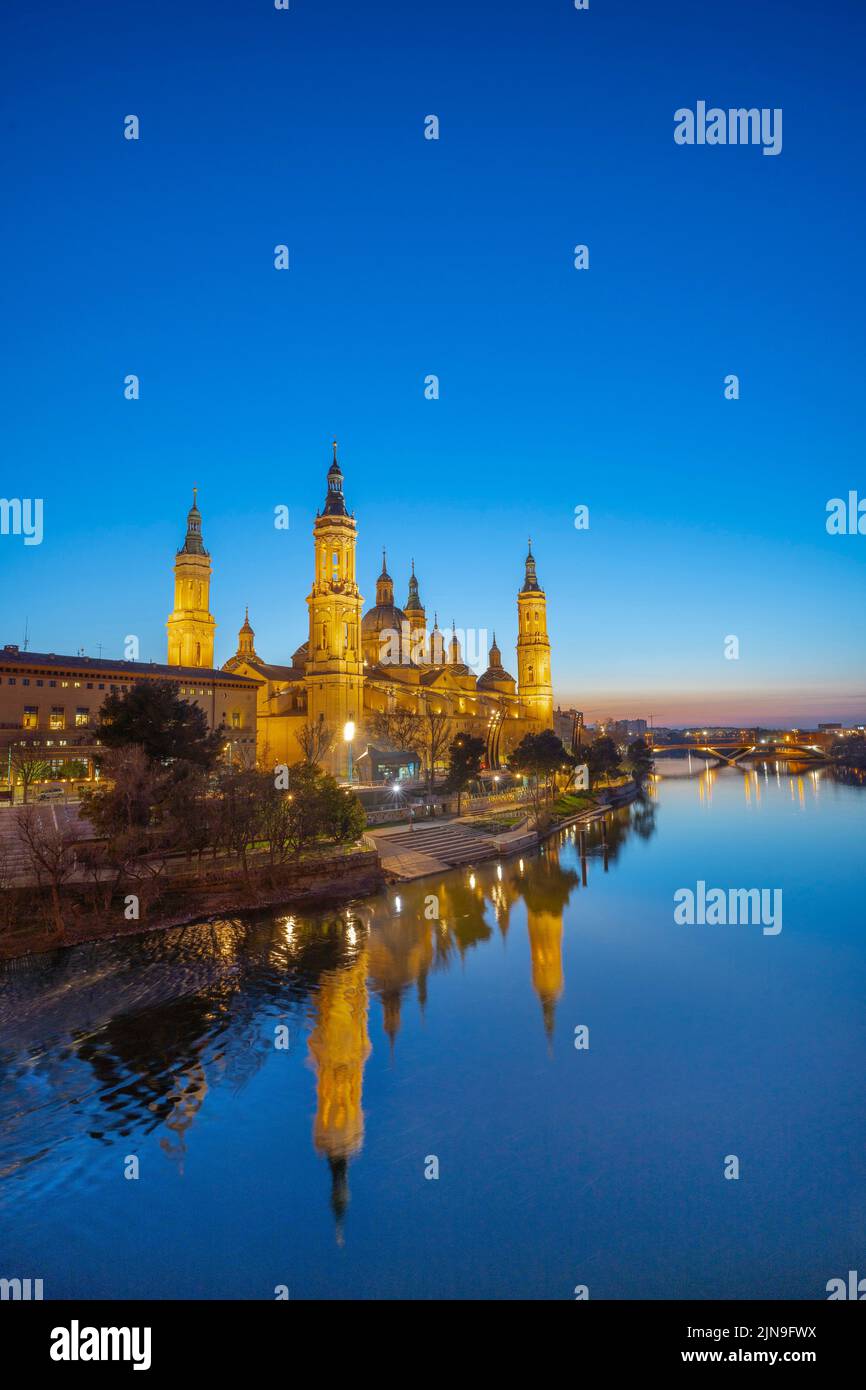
(448, 843)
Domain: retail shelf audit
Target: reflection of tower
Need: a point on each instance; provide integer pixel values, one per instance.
(191, 625)
(334, 666)
(533, 648)
(545, 947)
(339, 1046)
(546, 889)
(401, 952)
(186, 1097)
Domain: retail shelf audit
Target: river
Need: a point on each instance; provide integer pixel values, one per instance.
(384, 1102)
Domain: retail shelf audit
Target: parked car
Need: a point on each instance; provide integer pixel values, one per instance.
(50, 794)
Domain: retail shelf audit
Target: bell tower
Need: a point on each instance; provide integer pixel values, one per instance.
(335, 672)
(533, 649)
(191, 625)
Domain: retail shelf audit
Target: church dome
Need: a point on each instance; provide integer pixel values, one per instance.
(495, 674)
(384, 615)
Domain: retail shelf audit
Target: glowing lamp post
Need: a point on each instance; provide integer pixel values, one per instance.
(348, 735)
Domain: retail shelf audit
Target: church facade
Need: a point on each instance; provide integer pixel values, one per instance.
(357, 668)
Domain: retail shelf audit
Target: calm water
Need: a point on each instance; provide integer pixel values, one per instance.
(410, 1038)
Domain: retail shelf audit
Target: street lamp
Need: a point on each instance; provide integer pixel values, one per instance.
(348, 735)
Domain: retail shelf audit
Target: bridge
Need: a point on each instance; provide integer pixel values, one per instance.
(730, 751)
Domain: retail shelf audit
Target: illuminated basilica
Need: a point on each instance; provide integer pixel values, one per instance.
(355, 664)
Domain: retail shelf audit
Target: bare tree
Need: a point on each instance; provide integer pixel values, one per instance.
(28, 766)
(51, 855)
(402, 728)
(315, 738)
(437, 728)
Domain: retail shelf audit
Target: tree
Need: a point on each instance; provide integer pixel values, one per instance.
(51, 854)
(184, 810)
(640, 759)
(28, 766)
(436, 732)
(315, 738)
(125, 799)
(74, 770)
(241, 796)
(602, 758)
(153, 716)
(402, 728)
(465, 756)
(343, 818)
(538, 757)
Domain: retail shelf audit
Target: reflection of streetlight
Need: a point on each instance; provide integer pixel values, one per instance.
(348, 735)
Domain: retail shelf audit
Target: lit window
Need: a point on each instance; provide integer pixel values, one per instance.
(82, 717)
(57, 717)
(236, 719)
(30, 718)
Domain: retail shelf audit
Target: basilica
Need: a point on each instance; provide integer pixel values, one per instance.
(356, 668)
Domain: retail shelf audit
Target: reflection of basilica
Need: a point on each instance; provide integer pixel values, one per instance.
(197, 1013)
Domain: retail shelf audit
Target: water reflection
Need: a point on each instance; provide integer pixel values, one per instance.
(108, 1042)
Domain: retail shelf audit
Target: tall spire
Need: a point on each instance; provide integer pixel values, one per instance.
(335, 502)
(530, 581)
(413, 602)
(384, 586)
(193, 544)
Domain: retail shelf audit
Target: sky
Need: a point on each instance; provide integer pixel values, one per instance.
(558, 387)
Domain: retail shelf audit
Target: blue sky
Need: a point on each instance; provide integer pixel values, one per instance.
(452, 257)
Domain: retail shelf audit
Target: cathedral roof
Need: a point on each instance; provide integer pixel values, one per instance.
(275, 673)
